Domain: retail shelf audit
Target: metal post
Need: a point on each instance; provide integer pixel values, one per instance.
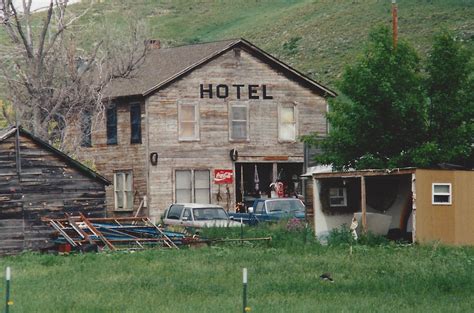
(7, 300)
(244, 280)
(241, 231)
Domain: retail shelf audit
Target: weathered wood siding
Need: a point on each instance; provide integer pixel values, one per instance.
(212, 150)
(123, 156)
(48, 186)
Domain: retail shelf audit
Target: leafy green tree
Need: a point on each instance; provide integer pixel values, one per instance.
(381, 116)
(451, 104)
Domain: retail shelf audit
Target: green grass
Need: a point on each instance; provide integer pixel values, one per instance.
(283, 277)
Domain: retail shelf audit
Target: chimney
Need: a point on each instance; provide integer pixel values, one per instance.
(153, 43)
(395, 23)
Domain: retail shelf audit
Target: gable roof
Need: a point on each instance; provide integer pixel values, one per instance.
(162, 67)
(11, 130)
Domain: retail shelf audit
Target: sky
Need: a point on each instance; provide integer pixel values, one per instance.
(38, 4)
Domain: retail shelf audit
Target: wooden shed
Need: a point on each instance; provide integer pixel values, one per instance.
(421, 205)
(38, 180)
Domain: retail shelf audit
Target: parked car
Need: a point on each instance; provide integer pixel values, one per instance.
(196, 215)
(271, 210)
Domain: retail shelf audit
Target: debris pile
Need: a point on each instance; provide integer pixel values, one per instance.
(122, 233)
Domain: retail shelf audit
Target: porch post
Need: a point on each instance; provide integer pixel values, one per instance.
(363, 204)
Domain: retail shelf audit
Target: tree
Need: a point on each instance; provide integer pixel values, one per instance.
(381, 116)
(48, 78)
(451, 104)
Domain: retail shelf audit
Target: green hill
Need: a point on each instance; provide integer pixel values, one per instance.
(317, 37)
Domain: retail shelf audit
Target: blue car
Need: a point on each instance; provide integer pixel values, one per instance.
(271, 210)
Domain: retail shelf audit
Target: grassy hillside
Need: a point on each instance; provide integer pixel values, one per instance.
(316, 37)
(283, 277)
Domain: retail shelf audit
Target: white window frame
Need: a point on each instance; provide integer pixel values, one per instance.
(245, 105)
(344, 197)
(127, 190)
(280, 123)
(193, 181)
(196, 121)
(449, 194)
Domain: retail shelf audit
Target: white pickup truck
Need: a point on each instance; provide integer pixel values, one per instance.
(197, 215)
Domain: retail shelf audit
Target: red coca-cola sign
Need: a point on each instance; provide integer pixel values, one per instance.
(223, 176)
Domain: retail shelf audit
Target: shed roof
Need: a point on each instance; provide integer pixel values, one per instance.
(163, 66)
(11, 130)
(367, 172)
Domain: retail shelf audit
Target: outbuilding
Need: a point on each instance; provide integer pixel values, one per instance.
(37, 180)
(419, 205)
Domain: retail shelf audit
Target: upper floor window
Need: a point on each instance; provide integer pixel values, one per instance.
(135, 123)
(287, 123)
(123, 182)
(442, 193)
(188, 126)
(112, 125)
(239, 117)
(86, 129)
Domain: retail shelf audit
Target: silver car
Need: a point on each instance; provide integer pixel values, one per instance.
(198, 215)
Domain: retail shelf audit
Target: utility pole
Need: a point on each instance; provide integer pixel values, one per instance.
(395, 23)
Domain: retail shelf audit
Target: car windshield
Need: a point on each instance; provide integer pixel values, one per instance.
(289, 205)
(202, 214)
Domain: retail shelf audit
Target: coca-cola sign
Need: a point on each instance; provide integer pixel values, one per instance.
(223, 176)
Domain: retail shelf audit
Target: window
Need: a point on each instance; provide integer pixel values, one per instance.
(239, 121)
(187, 215)
(112, 125)
(123, 190)
(337, 197)
(174, 212)
(192, 186)
(287, 123)
(441, 193)
(135, 123)
(86, 129)
(259, 209)
(188, 115)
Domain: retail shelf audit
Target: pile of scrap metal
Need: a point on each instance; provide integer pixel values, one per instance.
(124, 233)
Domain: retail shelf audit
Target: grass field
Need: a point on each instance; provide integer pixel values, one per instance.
(283, 277)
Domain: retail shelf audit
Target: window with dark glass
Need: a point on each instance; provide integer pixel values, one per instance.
(86, 128)
(135, 120)
(112, 125)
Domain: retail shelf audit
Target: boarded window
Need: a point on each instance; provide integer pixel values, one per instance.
(112, 125)
(287, 124)
(188, 122)
(239, 122)
(441, 193)
(135, 123)
(123, 182)
(192, 186)
(86, 129)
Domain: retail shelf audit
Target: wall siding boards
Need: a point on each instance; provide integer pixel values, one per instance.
(48, 186)
(212, 150)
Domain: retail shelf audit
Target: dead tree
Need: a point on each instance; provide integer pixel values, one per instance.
(48, 78)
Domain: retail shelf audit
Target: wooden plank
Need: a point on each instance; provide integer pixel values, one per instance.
(363, 204)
